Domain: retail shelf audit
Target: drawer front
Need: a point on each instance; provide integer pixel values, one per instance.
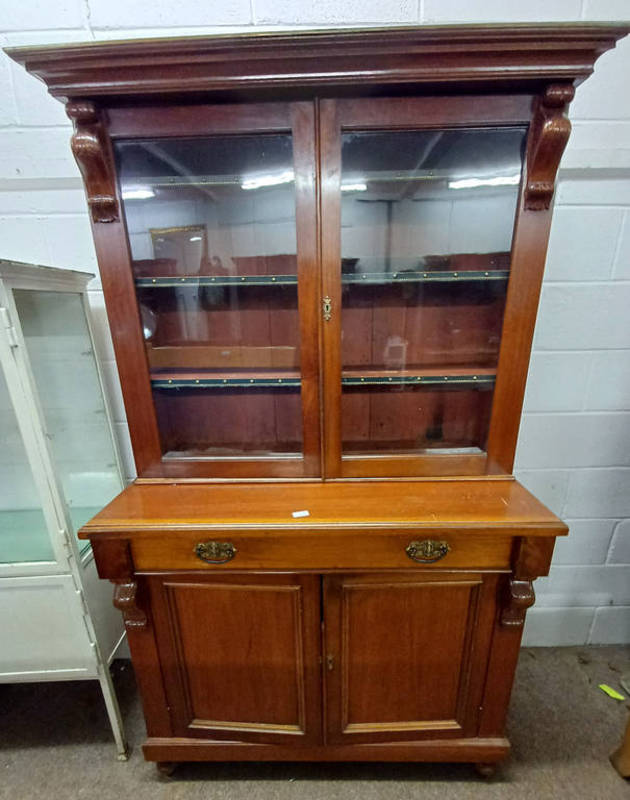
(318, 550)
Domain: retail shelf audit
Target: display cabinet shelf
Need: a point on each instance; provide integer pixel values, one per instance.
(231, 380)
(170, 281)
(465, 376)
(433, 276)
(359, 183)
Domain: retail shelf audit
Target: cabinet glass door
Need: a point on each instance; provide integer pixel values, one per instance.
(213, 234)
(426, 222)
(62, 362)
(24, 535)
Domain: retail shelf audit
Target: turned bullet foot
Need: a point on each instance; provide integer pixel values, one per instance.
(486, 770)
(166, 768)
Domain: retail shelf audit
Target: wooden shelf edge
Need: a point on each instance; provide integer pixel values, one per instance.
(177, 379)
(362, 279)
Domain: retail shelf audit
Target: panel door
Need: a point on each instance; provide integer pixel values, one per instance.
(241, 655)
(419, 201)
(214, 308)
(43, 631)
(405, 655)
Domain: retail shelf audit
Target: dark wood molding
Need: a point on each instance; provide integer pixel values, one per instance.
(532, 556)
(439, 749)
(525, 55)
(113, 559)
(91, 151)
(551, 130)
(125, 600)
(520, 596)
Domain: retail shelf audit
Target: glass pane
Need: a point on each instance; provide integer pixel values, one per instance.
(23, 532)
(211, 227)
(426, 234)
(60, 351)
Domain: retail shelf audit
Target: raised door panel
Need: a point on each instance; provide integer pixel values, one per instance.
(406, 655)
(241, 655)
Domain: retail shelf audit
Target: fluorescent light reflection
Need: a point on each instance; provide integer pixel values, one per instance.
(474, 183)
(259, 181)
(141, 193)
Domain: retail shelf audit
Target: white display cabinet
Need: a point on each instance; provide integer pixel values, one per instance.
(59, 465)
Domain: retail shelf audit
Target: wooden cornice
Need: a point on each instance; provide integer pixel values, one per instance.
(427, 56)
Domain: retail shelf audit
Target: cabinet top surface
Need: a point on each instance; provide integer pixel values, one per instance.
(483, 504)
(432, 55)
(39, 272)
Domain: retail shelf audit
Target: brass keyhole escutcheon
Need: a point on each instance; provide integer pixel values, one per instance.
(427, 551)
(215, 552)
(327, 308)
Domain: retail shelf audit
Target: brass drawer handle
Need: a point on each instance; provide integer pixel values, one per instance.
(215, 552)
(427, 551)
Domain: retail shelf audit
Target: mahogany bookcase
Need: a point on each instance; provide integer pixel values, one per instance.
(321, 255)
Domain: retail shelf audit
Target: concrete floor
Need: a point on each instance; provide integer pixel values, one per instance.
(55, 743)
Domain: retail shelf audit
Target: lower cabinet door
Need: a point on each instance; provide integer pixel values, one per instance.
(406, 655)
(241, 655)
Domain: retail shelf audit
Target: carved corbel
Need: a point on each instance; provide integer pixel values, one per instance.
(125, 600)
(89, 145)
(531, 558)
(550, 133)
(520, 596)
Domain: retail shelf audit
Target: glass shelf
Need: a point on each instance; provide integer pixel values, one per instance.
(353, 184)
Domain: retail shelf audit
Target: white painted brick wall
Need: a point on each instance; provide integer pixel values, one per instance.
(574, 448)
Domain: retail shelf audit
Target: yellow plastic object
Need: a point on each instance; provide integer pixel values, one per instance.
(611, 692)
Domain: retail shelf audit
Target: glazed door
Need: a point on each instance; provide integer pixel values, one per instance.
(419, 200)
(241, 655)
(405, 655)
(214, 307)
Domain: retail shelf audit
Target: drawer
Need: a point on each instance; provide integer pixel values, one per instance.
(318, 550)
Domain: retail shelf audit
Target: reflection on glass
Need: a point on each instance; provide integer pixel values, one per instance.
(23, 532)
(61, 357)
(426, 234)
(186, 245)
(211, 224)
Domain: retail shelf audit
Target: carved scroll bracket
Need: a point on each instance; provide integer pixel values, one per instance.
(520, 596)
(531, 558)
(550, 133)
(91, 151)
(125, 600)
